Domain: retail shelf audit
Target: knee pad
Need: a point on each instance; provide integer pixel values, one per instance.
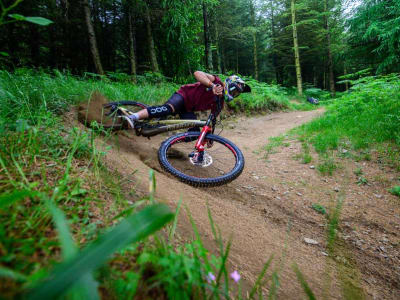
(160, 111)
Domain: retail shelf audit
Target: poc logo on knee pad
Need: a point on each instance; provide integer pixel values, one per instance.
(159, 111)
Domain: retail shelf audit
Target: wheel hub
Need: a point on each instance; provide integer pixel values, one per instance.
(206, 162)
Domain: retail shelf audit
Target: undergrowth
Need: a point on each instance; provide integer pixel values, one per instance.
(363, 120)
(68, 228)
(27, 93)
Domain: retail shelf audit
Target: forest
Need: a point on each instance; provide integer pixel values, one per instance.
(90, 211)
(292, 43)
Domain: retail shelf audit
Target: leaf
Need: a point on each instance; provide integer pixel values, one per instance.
(21, 125)
(38, 21)
(78, 192)
(7, 199)
(4, 54)
(130, 230)
(86, 288)
(17, 17)
(319, 208)
(303, 283)
(8, 273)
(260, 277)
(395, 191)
(68, 247)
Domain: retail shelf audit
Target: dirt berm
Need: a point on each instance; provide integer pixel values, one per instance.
(268, 210)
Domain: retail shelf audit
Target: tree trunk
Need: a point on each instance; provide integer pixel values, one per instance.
(219, 61)
(315, 78)
(274, 56)
(92, 39)
(330, 60)
(150, 40)
(132, 56)
(34, 41)
(255, 52)
(207, 44)
(114, 37)
(224, 59)
(237, 57)
(345, 73)
(296, 50)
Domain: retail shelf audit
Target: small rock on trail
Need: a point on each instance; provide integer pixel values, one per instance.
(310, 241)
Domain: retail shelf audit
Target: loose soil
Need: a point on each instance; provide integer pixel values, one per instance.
(268, 211)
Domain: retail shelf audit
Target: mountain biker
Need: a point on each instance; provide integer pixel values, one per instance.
(199, 96)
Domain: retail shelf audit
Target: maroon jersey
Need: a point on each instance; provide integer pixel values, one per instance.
(198, 97)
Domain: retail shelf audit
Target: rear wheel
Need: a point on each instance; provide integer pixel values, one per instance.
(221, 163)
(110, 118)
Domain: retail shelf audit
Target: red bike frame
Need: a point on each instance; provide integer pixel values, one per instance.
(202, 141)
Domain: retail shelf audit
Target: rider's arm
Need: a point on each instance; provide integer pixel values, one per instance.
(204, 78)
(208, 80)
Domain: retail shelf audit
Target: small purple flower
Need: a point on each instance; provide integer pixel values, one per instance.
(235, 276)
(210, 277)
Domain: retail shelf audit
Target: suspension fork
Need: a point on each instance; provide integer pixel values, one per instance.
(201, 141)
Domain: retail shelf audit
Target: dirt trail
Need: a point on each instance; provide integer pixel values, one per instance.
(267, 210)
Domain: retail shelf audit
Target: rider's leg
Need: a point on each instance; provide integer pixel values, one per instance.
(174, 104)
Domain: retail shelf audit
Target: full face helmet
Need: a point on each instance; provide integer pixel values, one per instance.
(234, 86)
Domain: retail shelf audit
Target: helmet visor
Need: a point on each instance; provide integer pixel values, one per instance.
(235, 93)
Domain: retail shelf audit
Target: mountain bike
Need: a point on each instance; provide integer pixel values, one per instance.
(199, 158)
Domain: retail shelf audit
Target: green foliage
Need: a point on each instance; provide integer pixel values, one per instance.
(362, 180)
(46, 207)
(28, 95)
(274, 142)
(367, 116)
(17, 17)
(304, 284)
(79, 264)
(181, 25)
(317, 93)
(306, 156)
(396, 191)
(358, 172)
(333, 224)
(266, 97)
(375, 32)
(327, 166)
(319, 208)
(35, 20)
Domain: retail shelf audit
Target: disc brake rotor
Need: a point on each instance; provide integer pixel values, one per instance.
(207, 160)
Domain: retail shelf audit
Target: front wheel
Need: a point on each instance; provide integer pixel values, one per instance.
(221, 163)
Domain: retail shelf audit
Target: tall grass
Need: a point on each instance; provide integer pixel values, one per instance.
(26, 94)
(364, 118)
(50, 188)
(268, 97)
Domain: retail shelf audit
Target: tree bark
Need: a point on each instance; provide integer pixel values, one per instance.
(219, 61)
(207, 44)
(330, 60)
(345, 73)
(296, 50)
(132, 56)
(274, 56)
(92, 39)
(237, 57)
(315, 78)
(150, 40)
(255, 52)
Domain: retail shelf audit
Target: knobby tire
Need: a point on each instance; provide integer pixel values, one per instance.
(196, 181)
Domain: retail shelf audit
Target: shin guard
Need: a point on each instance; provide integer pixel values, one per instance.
(160, 111)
